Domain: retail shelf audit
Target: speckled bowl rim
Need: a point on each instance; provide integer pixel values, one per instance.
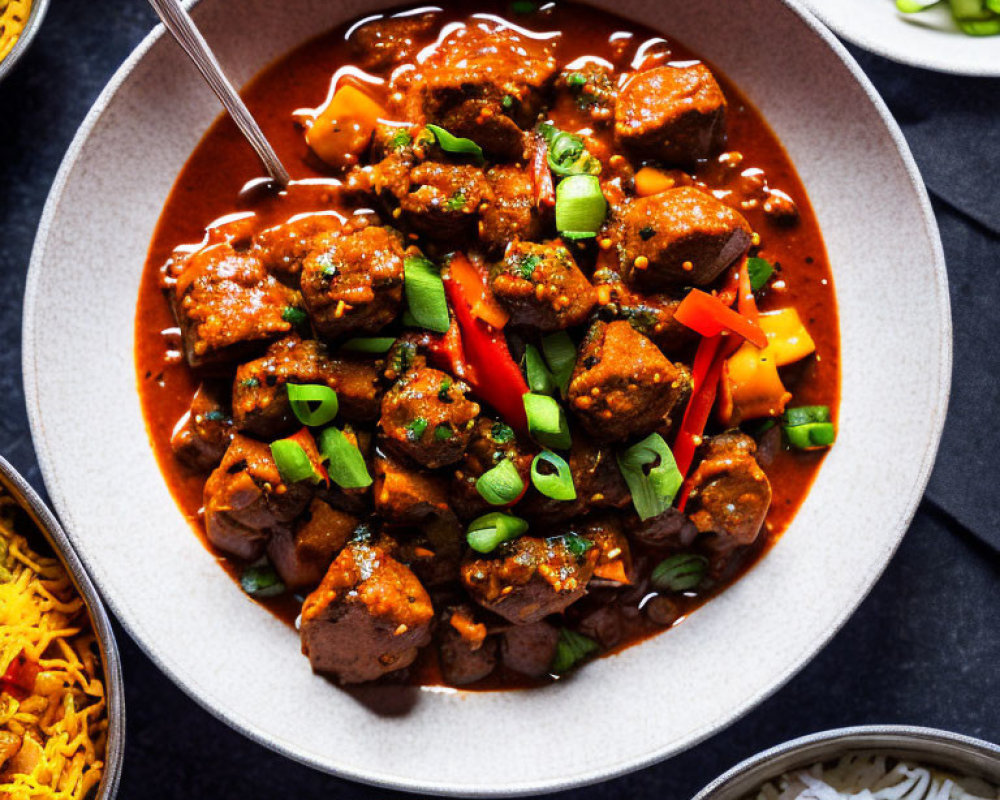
(35, 18)
(935, 745)
(469, 788)
(15, 484)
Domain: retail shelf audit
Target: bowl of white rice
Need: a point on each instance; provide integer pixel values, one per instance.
(889, 762)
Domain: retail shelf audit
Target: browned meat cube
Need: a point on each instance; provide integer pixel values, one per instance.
(260, 396)
(513, 213)
(284, 247)
(246, 500)
(491, 442)
(676, 115)
(353, 283)
(681, 237)
(622, 384)
(730, 493)
(434, 550)
(369, 616)
(672, 528)
(465, 652)
(485, 85)
(593, 87)
(386, 42)
(530, 649)
(427, 417)
(408, 494)
(529, 578)
(442, 201)
(302, 558)
(614, 557)
(227, 305)
(202, 435)
(542, 287)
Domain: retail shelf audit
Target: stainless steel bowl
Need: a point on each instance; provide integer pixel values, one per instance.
(956, 753)
(38, 9)
(49, 527)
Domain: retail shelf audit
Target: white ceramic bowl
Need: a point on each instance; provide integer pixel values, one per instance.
(929, 39)
(619, 713)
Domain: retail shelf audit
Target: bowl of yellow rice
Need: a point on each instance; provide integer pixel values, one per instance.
(19, 21)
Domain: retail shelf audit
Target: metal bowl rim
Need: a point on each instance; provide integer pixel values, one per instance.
(35, 17)
(14, 483)
(753, 771)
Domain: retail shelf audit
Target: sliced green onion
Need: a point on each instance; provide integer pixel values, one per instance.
(486, 533)
(576, 545)
(760, 270)
(571, 649)
(580, 207)
(913, 6)
(458, 145)
(557, 485)
(567, 153)
(547, 421)
(369, 344)
(808, 427)
(560, 353)
(653, 490)
(540, 380)
(345, 464)
(804, 415)
(292, 462)
(261, 581)
(501, 485)
(680, 573)
(313, 404)
(425, 294)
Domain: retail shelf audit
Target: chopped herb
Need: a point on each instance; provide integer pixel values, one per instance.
(501, 433)
(760, 271)
(646, 233)
(296, 316)
(250, 383)
(507, 101)
(576, 545)
(576, 79)
(400, 139)
(571, 649)
(456, 202)
(261, 581)
(528, 264)
(443, 432)
(443, 390)
(416, 429)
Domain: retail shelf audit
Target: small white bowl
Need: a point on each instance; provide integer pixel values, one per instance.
(929, 39)
(622, 712)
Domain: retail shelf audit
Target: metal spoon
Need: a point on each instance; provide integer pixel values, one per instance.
(177, 20)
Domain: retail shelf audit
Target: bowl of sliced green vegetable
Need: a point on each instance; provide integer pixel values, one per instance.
(957, 36)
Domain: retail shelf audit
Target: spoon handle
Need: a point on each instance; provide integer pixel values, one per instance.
(177, 20)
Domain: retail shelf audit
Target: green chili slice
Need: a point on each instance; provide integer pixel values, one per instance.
(457, 145)
(345, 464)
(580, 207)
(681, 573)
(425, 294)
(313, 404)
(559, 484)
(808, 427)
(501, 485)
(292, 462)
(653, 488)
(547, 421)
(489, 531)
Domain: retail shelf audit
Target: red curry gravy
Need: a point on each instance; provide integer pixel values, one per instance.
(209, 185)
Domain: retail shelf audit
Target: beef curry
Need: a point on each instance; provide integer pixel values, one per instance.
(537, 352)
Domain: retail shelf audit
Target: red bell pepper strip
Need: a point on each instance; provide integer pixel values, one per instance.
(484, 305)
(495, 376)
(541, 175)
(709, 316)
(446, 352)
(747, 305)
(19, 679)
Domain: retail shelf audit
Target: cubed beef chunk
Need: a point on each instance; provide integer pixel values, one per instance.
(369, 616)
(442, 201)
(485, 85)
(513, 213)
(434, 550)
(303, 556)
(246, 500)
(405, 493)
(282, 248)
(530, 649)
(676, 115)
(680, 237)
(622, 384)
(427, 417)
(227, 305)
(672, 529)
(605, 625)
(492, 441)
(730, 493)
(386, 42)
(593, 87)
(260, 396)
(542, 287)
(596, 475)
(406, 354)
(465, 652)
(529, 578)
(202, 435)
(353, 283)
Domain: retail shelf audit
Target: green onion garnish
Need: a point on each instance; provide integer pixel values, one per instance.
(400, 139)
(292, 462)
(369, 344)
(571, 649)
(415, 429)
(806, 415)
(501, 485)
(489, 531)
(560, 353)
(261, 581)
(680, 573)
(567, 153)
(580, 207)
(425, 294)
(760, 270)
(575, 544)
(808, 427)
(345, 464)
(313, 404)
(443, 432)
(458, 145)
(540, 380)
(547, 421)
(501, 433)
(559, 484)
(653, 490)
(296, 316)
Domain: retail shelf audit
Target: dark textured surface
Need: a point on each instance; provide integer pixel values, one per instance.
(923, 649)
